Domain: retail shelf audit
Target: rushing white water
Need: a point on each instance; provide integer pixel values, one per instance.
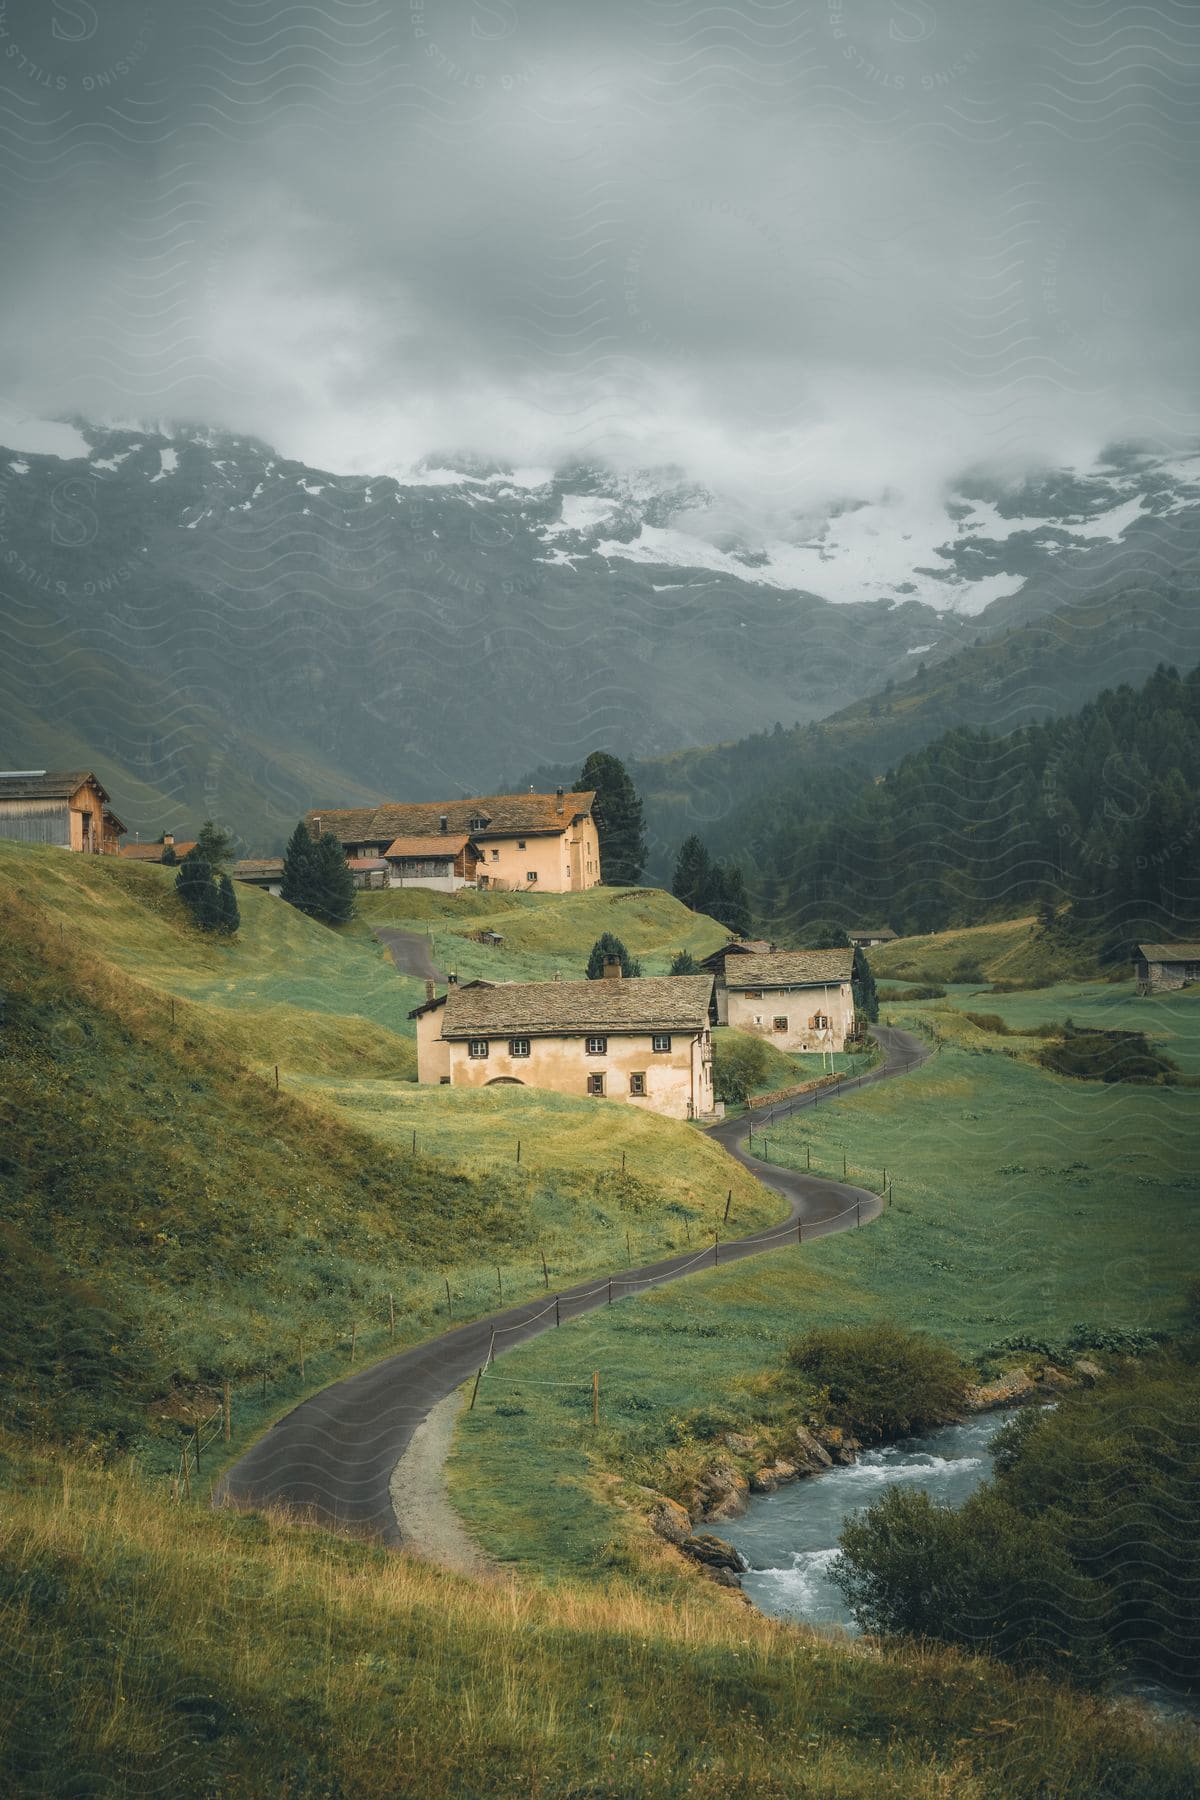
(790, 1538)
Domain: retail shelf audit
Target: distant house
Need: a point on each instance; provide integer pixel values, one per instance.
(1162, 967)
(65, 807)
(442, 859)
(264, 872)
(546, 842)
(867, 936)
(369, 871)
(646, 1041)
(155, 853)
(715, 964)
(800, 999)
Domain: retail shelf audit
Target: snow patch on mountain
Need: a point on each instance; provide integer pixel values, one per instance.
(40, 437)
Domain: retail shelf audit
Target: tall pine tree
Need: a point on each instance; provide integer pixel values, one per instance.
(332, 883)
(298, 864)
(693, 871)
(620, 823)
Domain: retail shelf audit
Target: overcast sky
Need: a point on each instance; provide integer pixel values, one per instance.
(798, 249)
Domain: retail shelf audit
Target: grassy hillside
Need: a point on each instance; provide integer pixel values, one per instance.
(544, 934)
(172, 1219)
(1007, 950)
(1025, 1205)
(193, 1652)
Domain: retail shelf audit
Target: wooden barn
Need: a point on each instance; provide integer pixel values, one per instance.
(65, 807)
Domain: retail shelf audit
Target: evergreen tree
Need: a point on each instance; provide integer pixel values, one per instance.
(228, 916)
(724, 898)
(862, 984)
(690, 882)
(684, 963)
(298, 865)
(168, 856)
(332, 883)
(199, 892)
(605, 949)
(620, 823)
(214, 845)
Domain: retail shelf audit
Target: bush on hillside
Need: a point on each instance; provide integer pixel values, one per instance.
(1106, 1056)
(606, 948)
(684, 963)
(208, 895)
(1084, 1547)
(881, 1381)
(983, 1576)
(739, 1066)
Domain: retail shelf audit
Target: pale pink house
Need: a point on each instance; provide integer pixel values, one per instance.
(647, 1042)
(800, 999)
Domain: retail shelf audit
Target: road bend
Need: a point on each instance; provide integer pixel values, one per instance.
(331, 1458)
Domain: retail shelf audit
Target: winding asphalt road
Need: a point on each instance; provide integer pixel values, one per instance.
(332, 1458)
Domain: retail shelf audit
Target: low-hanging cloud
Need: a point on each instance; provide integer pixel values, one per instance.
(797, 250)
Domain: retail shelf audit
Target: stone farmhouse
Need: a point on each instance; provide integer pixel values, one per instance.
(800, 999)
(646, 1041)
(542, 842)
(1159, 968)
(65, 807)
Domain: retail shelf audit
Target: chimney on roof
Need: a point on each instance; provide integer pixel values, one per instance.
(168, 840)
(316, 825)
(444, 822)
(558, 795)
(612, 968)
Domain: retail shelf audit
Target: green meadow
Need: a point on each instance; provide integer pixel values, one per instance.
(1024, 1207)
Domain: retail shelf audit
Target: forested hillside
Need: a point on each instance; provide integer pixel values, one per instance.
(1098, 810)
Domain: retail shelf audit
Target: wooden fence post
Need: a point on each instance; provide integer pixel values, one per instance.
(475, 1389)
(276, 1077)
(491, 1355)
(728, 1204)
(628, 1251)
(545, 1270)
(557, 1317)
(414, 1148)
(687, 1229)
(518, 1149)
(808, 1156)
(499, 1282)
(449, 1301)
(353, 1340)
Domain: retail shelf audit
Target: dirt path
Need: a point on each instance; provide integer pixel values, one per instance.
(420, 1500)
(333, 1457)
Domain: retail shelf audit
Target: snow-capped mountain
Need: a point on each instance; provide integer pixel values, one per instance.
(237, 632)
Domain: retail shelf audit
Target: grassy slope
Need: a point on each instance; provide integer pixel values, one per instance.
(196, 1653)
(545, 933)
(180, 1207)
(1024, 1204)
(1009, 950)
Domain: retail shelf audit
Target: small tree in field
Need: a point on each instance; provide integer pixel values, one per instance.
(298, 860)
(228, 916)
(197, 887)
(333, 884)
(684, 963)
(608, 948)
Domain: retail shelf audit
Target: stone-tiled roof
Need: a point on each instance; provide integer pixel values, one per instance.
(884, 932)
(790, 968)
(258, 868)
(45, 784)
(567, 1008)
(1169, 953)
(437, 843)
(507, 815)
(154, 852)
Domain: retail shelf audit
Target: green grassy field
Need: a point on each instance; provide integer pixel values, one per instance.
(1168, 1020)
(1009, 950)
(544, 934)
(161, 1196)
(1024, 1205)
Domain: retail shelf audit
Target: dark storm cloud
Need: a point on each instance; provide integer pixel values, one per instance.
(790, 246)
